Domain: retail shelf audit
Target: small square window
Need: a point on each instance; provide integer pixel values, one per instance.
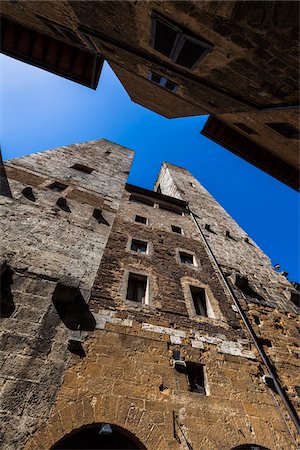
(57, 187)
(199, 300)
(176, 229)
(195, 374)
(187, 258)
(163, 81)
(141, 219)
(139, 246)
(82, 168)
(137, 288)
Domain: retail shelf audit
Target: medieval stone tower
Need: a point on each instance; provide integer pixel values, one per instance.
(136, 319)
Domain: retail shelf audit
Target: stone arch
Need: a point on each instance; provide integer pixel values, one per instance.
(125, 413)
(90, 437)
(250, 447)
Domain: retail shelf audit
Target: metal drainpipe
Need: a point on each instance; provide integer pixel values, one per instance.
(287, 403)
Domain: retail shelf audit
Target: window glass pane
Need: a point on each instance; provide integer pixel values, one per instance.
(164, 38)
(57, 187)
(171, 86)
(176, 229)
(190, 53)
(155, 77)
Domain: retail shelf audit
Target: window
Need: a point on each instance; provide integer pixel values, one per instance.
(137, 288)
(286, 130)
(176, 229)
(144, 201)
(82, 168)
(297, 389)
(139, 246)
(57, 187)
(141, 219)
(245, 128)
(187, 258)
(195, 374)
(181, 47)
(158, 189)
(172, 209)
(199, 300)
(163, 82)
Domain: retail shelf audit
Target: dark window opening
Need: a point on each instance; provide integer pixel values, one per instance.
(286, 130)
(172, 209)
(245, 128)
(137, 288)
(229, 235)
(295, 298)
(63, 205)
(57, 187)
(107, 153)
(163, 82)
(141, 219)
(257, 320)
(186, 258)
(195, 374)
(180, 46)
(265, 342)
(176, 229)
(7, 304)
(82, 168)
(144, 201)
(158, 189)
(28, 193)
(199, 300)
(139, 246)
(297, 389)
(243, 284)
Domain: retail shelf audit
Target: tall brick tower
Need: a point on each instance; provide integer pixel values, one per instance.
(188, 338)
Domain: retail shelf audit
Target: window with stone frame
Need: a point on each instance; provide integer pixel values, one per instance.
(57, 187)
(187, 258)
(180, 45)
(176, 229)
(141, 219)
(199, 300)
(139, 246)
(137, 288)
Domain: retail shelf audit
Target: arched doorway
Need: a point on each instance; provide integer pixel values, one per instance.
(99, 437)
(250, 447)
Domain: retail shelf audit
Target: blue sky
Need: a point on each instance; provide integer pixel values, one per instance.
(41, 111)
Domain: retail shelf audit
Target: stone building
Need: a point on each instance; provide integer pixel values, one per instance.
(135, 318)
(178, 58)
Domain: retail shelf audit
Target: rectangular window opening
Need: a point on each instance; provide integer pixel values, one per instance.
(139, 246)
(57, 187)
(163, 81)
(141, 219)
(137, 288)
(176, 43)
(176, 229)
(199, 300)
(187, 258)
(196, 378)
(82, 168)
(286, 130)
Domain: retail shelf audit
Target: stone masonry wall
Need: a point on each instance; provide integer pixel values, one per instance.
(42, 244)
(127, 377)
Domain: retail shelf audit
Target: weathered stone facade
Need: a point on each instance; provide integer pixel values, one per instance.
(43, 245)
(78, 353)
